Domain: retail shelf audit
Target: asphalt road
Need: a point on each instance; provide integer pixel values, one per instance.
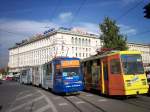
(15, 97)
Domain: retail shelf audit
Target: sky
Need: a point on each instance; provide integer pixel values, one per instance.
(21, 19)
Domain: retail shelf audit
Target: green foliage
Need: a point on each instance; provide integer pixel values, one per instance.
(111, 36)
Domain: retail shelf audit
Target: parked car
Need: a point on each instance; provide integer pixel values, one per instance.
(8, 78)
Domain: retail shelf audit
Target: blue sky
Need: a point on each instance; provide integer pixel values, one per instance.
(20, 19)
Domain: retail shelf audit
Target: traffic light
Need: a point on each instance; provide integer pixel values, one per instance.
(147, 11)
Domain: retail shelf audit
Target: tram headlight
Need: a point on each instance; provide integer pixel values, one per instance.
(143, 81)
(66, 83)
(128, 82)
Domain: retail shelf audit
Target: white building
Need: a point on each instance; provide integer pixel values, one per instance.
(145, 49)
(60, 42)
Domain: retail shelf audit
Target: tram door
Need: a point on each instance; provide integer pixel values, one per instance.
(104, 79)
(95, 74)
(116, 79)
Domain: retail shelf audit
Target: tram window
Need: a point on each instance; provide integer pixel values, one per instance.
(115, 66)
(98, 62)
(89, 67)
(58, 72)
(49, 69)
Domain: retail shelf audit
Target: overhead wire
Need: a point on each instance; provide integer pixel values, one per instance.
(77, 12)
(128, 11)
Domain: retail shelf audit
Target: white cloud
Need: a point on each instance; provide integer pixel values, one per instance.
(127, 29)
(89, 27)
(65, 16)
(25, 26)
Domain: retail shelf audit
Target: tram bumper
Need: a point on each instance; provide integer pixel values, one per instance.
(73, 88)
(136, 91)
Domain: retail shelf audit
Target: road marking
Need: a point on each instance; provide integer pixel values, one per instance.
(71, 97)
(23, 92)
(23, 97)
(56, 98)
(79, 102)
(102, 100)
(62, 104)
(42, 109)
(89, 95)
(27, 103)
(48, 101)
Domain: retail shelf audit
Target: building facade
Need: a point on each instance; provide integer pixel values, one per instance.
(145, 49)
(61, 42)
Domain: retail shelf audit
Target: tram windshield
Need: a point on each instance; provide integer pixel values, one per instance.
(71, 71)
(132, 64)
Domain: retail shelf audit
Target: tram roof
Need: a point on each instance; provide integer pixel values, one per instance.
(63, 58)
(109, 53)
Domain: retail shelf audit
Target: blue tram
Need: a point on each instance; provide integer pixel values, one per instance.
(62, 75)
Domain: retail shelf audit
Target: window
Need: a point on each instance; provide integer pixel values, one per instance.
(79, 54)
(75, 40)
(85, 42)
(76, 55)
(82, 41)
(86, 49)
(115, 66)
(89, 42)
(132, 64)
(72, 40)
(72, 71)
(49, 69)
(79, 41)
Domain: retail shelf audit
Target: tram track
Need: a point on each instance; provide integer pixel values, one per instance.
(73, 104)
(138, 102)
(91, 104)
(84, 100)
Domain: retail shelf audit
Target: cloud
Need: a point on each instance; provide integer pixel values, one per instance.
(128, 30)
(25, 26)
(65, 16)
(89, 27)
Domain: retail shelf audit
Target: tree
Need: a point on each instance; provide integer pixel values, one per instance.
(111, 36)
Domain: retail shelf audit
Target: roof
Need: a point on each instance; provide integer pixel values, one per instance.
(51, 32)
(139, 44)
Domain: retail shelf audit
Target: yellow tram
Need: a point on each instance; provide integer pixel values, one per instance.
(115, 73)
